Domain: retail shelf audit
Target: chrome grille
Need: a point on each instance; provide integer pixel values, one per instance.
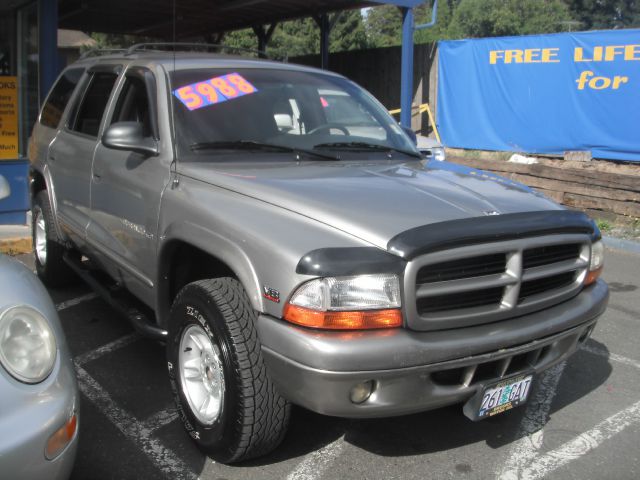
(490, 282)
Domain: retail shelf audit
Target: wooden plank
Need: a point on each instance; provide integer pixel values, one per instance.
(588, 177)
(621, 208)
(580, 189)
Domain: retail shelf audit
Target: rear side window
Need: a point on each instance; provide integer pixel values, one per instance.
(94, 103)
(59, 97)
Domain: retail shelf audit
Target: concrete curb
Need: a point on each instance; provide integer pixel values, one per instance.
(622, 244)
(16, 246)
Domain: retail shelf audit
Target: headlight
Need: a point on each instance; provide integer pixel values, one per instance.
(596, 262)
(438, 154)
(27, 344)
(354, 302)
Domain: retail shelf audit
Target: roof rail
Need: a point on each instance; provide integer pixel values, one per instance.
(96, 52)
(173, 46)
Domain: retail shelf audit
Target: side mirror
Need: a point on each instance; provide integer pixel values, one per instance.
(412, 134)
(5, 189)
(129, 136)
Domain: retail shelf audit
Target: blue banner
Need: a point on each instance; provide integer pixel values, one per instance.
(543, 93)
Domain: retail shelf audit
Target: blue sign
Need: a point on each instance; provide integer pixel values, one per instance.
(543, 93)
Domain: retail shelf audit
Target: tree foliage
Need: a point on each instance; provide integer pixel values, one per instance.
(602, 14)
(381, 26)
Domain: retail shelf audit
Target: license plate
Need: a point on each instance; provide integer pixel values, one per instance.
(499, 397)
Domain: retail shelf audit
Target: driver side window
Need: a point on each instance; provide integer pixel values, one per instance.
(133, 105)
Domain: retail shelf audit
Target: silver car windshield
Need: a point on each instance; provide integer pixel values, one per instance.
(219, 112)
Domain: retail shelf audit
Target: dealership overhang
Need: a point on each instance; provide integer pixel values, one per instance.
(187, 19)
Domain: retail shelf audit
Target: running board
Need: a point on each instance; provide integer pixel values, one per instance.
(117, 298)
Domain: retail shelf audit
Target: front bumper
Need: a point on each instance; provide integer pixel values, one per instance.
(418, 371)
(29, 415)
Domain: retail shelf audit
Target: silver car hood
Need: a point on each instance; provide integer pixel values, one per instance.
(376, 200)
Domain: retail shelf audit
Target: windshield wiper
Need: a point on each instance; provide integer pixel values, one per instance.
(252, 145)
(363, 146)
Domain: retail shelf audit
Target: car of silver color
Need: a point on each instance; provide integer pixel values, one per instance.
(30, 413)
(172, 223)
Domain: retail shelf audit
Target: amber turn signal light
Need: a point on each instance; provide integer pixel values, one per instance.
(351, 320)
(592, 276)
(61, 438)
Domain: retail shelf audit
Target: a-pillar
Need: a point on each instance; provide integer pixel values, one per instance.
(406, 69)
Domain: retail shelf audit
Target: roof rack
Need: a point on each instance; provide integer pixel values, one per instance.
(97, 52)
(173, 46)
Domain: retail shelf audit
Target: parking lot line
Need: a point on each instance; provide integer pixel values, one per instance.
(531, 432)
(75, 301)
(316, 463)
(162, 457)
(107, 348)
(582, 444)
(160, 419)
(612, 356)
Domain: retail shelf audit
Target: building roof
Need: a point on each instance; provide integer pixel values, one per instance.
(155, 18)
(74, 39)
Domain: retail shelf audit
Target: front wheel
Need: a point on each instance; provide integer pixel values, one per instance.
(225, 398)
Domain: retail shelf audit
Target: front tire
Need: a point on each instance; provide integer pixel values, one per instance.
(49, 250)
(225, 398)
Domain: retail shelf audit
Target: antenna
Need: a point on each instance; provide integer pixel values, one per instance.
(173, 120)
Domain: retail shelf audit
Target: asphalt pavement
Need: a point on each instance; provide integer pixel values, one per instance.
(582, 419)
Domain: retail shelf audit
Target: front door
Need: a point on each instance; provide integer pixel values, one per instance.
(126, 189)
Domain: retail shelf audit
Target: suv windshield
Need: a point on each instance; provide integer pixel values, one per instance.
(218, 111)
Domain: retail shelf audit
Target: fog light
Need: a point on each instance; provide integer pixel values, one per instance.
(361, 392)
(61, 438)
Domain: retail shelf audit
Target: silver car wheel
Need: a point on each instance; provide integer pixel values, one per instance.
(201, 374)
(40, 236)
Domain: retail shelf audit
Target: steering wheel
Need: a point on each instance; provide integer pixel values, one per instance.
(328, 126)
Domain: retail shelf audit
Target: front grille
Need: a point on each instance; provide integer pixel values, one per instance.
(541, 285)
(465, 268)
(490, 282)
(536, 257)
(476, 298)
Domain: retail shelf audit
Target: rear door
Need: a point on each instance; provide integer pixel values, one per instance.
(71, 153)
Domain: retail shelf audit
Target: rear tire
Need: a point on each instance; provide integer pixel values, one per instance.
(213, 348)
(49, 250)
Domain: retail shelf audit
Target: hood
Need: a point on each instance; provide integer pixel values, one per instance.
(376, 200)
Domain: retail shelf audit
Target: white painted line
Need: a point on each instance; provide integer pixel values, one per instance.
(316, 463)
(582, 444)
(75, 301)
(531, 432)
(107, 348)
(160, 419)
(163, 458)
(612, 356)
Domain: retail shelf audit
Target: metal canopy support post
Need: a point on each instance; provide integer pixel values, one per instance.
(264, 36)
(326, 26)
(48, 45)
(406, 69)
(325, 31)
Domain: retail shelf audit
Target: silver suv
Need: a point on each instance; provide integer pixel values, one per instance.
(278, 229)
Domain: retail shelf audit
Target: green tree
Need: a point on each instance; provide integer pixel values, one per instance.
(491, 18)
(603, 14)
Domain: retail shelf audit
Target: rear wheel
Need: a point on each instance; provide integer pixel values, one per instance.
(49, 250)
(225, 398)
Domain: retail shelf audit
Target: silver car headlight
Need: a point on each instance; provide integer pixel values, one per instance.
(28, 346)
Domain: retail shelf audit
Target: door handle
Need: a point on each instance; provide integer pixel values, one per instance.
(52, 158)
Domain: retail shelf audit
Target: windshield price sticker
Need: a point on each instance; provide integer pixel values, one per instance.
(214, 90)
